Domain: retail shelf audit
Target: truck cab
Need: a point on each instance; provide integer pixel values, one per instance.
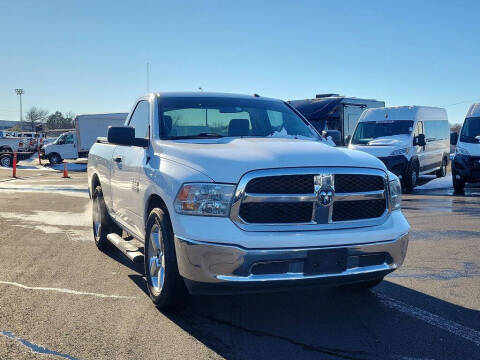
(466, 162)
(64, 147)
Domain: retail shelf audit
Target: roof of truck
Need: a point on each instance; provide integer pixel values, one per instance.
(474, 110)
(203, 94)
(404, 113)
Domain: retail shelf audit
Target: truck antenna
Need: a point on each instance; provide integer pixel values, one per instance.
(148, 77)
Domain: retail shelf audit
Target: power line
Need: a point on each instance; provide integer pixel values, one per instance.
(463, 102)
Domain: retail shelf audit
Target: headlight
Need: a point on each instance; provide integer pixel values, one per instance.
(395, 193)
(402, 151)
(205, 199)
(461, 151)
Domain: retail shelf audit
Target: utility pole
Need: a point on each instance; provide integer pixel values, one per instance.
(20, 92)
(148, 77)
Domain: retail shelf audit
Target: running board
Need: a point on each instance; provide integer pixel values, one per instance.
(126, 247)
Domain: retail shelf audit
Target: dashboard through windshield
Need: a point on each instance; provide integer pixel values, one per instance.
(215, 117)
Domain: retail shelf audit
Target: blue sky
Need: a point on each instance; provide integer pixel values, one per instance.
(90, 56)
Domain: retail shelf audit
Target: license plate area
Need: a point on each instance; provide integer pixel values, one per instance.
(327, 261)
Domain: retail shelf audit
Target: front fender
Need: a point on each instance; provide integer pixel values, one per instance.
(163, 177)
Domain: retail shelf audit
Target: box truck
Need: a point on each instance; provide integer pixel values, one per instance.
(76, 144)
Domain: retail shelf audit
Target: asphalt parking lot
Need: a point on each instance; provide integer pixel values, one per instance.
(62, 298)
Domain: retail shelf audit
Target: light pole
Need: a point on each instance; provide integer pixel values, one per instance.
(20, 92)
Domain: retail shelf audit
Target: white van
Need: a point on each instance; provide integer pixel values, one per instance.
(466, 163)
(410, 140)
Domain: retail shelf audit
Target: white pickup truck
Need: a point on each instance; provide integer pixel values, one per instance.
(232, 193)
(10, 145)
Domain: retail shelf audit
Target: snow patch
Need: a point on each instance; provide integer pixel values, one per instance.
(437, 183)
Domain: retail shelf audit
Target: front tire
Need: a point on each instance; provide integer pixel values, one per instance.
(102, 224)
(54, 158)
(458, 184)
(165, 285)
(411, 176)
(364, 285)
(6, 160)
(442, 172)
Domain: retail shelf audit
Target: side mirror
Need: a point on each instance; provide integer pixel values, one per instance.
(348, 139)
(453, 138)
(334, 134)
(121, 135)
(420, 140)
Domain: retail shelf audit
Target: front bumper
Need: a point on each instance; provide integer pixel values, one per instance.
(397, 164)
(467, 166)
(209, 267)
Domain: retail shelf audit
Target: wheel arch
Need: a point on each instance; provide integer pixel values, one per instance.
(6, 148)
(154, 201)
(94, 182)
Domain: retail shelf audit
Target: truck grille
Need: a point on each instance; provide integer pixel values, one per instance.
(276, 197)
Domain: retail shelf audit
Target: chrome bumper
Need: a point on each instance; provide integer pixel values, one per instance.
(224, 264)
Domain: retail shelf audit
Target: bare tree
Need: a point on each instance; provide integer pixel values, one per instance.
(35, 115)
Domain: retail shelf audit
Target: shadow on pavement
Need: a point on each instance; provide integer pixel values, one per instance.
(328, 323)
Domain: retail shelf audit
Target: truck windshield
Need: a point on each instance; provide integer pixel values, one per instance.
(370, 130)
(470, 130)
(214, 117)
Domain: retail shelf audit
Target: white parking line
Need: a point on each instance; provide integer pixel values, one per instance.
(66, 291)
(432, 319)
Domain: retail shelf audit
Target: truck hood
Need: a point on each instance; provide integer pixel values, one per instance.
(227, 159)
(384, 146)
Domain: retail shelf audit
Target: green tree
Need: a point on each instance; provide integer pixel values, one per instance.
(58, 121)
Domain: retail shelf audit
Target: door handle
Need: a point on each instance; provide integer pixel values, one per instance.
(117, 159)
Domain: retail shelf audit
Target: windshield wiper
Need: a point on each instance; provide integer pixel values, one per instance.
(205, 135)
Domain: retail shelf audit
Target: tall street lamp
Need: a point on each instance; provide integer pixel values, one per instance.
(20, 92)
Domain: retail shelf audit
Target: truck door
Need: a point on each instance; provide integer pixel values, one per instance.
(127, 162)
(420, 150)
(351, 114)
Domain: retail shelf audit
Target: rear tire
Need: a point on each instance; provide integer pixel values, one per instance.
(6, 160)
(102, 224)
(442, 172)
(165, 285)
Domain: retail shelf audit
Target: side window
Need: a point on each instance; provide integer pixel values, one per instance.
(69, 139)
(139, 119)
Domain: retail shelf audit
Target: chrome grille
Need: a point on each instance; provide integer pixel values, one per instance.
(297, 198)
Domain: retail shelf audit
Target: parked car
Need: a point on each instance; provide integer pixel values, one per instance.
(8, 145)
(230, 193)
(466, 162)
(76, 144)
(410, 140)
(335, 115)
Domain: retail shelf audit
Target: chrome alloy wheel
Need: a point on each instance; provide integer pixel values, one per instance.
(97, 218)
(156, 260)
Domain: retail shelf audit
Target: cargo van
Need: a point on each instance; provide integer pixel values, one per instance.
(410, 140)
(466, 162)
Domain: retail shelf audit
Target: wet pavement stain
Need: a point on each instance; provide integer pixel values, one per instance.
(34, 347)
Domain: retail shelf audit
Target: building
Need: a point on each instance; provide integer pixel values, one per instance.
(7, 124)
